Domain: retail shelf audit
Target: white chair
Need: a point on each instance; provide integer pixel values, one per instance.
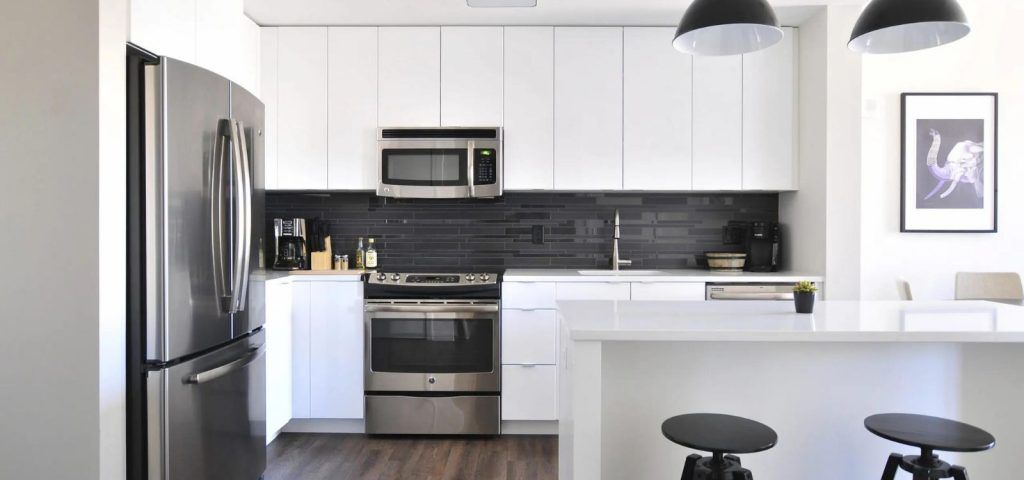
(903, 287)
(988, 285)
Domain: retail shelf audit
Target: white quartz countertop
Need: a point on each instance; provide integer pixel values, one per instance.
(776, 321)
(684, 275)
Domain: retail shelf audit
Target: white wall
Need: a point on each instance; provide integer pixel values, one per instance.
(987, 60)
(61, 133)
(822, 218)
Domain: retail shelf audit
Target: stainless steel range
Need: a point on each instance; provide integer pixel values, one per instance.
(433, 353)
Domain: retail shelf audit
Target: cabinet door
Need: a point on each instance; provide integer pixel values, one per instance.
(528, 295)
(268, 93)
(529, 337)
(279, 356)
(673, 291)
(409, 77)
(592, 291)
(769, 116)
(528, 392)
(471, 76)
(529, 108)
(352, 108)
(165, 28)
(657, 108)
(300, 349)
(302, 108)
(717, 122)
(336, 350)
(588, 108)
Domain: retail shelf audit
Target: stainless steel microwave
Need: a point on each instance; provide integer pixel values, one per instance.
(439, 162)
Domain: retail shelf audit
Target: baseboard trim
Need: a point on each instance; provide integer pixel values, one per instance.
(325, 425)
(529, 427)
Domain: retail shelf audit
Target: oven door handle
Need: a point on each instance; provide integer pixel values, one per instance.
(432, 308)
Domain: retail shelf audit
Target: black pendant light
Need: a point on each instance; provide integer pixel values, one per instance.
(727, 27)
(895, 26)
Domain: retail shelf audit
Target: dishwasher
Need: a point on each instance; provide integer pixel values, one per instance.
(749, 291)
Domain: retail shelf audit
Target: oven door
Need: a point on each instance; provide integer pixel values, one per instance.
(432, 346)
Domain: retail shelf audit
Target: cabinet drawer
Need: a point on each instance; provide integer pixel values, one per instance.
(529, 337)
(592, 291)
(528, 392)
(527, 295)
(668, 291)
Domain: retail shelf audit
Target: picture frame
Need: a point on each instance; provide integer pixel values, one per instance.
(949, 162)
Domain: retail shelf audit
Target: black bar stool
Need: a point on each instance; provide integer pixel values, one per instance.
(722, 435)
(930, 434)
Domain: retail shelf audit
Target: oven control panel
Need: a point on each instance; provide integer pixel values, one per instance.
(433, 279)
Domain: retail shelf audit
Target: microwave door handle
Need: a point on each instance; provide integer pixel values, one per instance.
(217, 193)
(471, 147)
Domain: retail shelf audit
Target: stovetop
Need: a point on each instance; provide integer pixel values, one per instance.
(433, 285)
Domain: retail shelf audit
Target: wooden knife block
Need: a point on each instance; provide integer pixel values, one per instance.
(322, 260)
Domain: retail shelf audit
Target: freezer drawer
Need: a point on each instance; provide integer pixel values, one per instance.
(207, 415)
(455, 415)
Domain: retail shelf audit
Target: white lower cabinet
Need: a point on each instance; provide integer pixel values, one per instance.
(528, 392)
(327, 349)
(678, 291)
(336, 350)
(592, 291)
(278, 326)
(300, 349)
(529, 337)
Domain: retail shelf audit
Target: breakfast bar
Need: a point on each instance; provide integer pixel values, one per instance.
(629, 365)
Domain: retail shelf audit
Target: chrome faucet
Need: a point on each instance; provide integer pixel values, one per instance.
(616, 261)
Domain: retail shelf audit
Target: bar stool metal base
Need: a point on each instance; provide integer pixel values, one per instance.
(926, 466)
(716, 467)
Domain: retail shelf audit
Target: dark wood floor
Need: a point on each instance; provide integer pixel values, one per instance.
(307, 456)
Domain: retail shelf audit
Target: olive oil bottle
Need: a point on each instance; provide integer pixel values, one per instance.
(360, 255)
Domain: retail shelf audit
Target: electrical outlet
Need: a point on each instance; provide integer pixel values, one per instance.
(538, 234)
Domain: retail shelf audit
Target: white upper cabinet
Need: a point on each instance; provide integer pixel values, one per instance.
(409, 77)
(471, 76)
(165, 28)
(769, 116)
(588, 108)
(268, 94)
(529, 108)
(718, 122)
(352, 108)
(302, 108)
(657, 108)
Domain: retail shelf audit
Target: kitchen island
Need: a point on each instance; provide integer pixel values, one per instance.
(629, 365)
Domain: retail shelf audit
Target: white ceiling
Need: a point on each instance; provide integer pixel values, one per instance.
(455, 12)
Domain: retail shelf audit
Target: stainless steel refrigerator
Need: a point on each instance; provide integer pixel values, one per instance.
(195, 294)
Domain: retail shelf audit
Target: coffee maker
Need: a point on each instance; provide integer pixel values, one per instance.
(289, 244)
(762, 242)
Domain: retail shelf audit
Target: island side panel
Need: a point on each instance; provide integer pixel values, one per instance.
(815, 395)
(579, 413)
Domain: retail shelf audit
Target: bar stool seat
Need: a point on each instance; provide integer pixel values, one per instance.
(930, 434)
(723, 436)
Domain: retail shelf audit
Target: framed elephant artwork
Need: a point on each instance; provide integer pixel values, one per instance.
(949, 162)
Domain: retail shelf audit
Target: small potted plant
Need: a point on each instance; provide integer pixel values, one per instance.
(803, 296)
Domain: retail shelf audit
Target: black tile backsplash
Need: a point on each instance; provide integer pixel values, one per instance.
(658, 230)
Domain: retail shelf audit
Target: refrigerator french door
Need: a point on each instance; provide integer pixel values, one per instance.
(196, 366)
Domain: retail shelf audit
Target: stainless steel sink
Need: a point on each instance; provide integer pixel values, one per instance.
(620, 273)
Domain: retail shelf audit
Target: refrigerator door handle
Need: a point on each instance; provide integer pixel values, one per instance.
(245, 212)
(251, 356)
(218, 217)
(239, 217)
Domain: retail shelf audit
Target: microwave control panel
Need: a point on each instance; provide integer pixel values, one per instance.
(485, 166)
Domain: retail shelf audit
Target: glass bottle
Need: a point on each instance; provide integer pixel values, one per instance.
(371, 255)
(360, 256)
